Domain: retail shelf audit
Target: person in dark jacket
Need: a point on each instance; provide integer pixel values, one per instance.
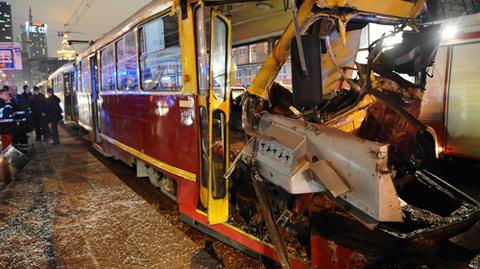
(38, 107)
(7, 122)
(54, 114)
(26, 94)
(21, 115)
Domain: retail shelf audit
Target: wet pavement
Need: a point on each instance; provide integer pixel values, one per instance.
(66, 209)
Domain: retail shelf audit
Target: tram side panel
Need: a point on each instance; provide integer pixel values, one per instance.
(452, 100)
(145, 115)
(154, 128)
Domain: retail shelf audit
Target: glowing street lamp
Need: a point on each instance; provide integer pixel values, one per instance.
(66, 52)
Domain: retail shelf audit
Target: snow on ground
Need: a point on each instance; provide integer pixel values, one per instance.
(65, 209)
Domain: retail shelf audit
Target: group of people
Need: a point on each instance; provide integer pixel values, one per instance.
(22, 113)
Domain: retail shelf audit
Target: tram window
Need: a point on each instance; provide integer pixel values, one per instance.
(201, 30)
(58, 84)
(85, 76)
(219, 59)
(160, 60)
(284, 76)
(107, 69)
(78, 79)
(364, 38)
(219, 136)
(127, 77)
(258, 52)
(376, 31)
(240, 55)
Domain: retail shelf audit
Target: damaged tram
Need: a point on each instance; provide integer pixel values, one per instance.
(327, 173)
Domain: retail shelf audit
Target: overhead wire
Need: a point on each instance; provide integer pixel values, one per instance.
(67, 24)
(79, 12)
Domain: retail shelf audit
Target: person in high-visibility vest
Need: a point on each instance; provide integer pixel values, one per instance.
(7, 121)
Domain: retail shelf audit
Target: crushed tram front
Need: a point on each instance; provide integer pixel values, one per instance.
(344, 156)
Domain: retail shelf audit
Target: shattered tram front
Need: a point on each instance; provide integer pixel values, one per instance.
(340, 161)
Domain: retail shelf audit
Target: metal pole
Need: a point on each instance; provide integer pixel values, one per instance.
(298, 38)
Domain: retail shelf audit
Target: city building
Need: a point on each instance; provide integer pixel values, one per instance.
(34, 39)
(36, 64)
(6, 34)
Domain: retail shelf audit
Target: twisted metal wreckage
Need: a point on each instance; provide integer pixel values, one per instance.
(349, 153)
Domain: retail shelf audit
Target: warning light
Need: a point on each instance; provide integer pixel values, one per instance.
(439, 150)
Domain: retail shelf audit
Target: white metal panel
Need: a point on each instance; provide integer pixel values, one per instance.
(358, 165)
(432, 105)
(463, 106)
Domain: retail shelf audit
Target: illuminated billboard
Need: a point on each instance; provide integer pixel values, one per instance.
(35, 27)
(10, 56)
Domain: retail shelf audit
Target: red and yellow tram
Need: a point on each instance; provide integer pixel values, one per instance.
(155, 93)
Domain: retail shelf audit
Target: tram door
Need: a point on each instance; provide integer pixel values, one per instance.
(219, 117)
(94, 108)
(73, 97)
(67, 96)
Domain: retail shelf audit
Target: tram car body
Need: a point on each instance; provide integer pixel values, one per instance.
(63, 83)
(452, 101)
(155, 93)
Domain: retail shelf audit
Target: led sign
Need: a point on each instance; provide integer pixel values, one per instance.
(36, 27)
